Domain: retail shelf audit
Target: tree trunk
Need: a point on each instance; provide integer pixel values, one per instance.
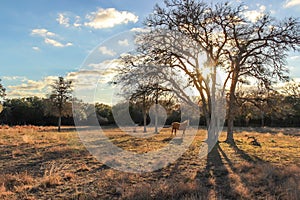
(145, 120)
(144, 113)
(156, 109)
(272, 121)
(231, 108)
(59, 123)
(262, 118)
(156, 118)
(230, 124)
(212, 131)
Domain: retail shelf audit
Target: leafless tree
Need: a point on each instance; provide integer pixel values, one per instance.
(141, 83)
(230, 42)
(292, 89)
(266, 103)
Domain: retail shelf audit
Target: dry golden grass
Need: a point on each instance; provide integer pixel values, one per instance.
(40, 163)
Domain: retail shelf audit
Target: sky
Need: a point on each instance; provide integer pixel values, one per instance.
(43, 39)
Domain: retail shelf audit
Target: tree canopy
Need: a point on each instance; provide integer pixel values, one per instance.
(230, 42)
(60, 96)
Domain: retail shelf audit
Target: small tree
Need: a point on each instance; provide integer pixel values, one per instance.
(2, 95)
(141, 82)
(61, 94)
(145, 96)
(263, 104)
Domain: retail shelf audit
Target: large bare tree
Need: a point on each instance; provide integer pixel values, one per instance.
(229, 41)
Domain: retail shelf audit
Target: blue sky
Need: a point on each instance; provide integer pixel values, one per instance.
(43, 39)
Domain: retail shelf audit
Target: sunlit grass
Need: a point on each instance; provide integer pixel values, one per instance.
(38, 163)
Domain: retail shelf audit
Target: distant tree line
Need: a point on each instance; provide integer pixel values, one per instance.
(255, 109)
(33, 111)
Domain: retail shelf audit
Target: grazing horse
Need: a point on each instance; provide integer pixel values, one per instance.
(179, 126)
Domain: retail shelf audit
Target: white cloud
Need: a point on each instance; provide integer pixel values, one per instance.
(63, 20)
(105, 51)
(254, 15)
(53, 42)
(56, 43)
(29, 88)
(69, 20)
(291, 3)
(294, 57)
(296, 80)
(140, 30)
(108, 18)
(20, 94)
(48, 38)
(29, 85)
(42, 32)
(123, 42)
(36, 48)
(96, 73)
(77, 22)
(13, 78)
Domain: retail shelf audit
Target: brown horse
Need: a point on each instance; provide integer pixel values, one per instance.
(179, 126)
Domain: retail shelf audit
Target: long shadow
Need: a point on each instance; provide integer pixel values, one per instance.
(232, 167)
(31, 162)
(244, 155)
(79, 128)
(243, 173)
(216, 176)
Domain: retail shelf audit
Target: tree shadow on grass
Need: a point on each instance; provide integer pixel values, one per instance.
(226, 176)
(243, 154)
(32, 161)
(251, 177)
(216, 176)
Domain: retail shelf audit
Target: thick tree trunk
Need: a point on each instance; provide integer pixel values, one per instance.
(231, 109)
(212, 131)
(230, 125)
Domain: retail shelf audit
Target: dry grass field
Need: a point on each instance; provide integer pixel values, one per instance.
(40, 163)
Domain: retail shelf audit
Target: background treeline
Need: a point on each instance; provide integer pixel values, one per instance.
(33, 111)
(253, 109)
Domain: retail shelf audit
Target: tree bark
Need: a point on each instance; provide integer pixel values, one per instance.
(231, 108)
(212, 131)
